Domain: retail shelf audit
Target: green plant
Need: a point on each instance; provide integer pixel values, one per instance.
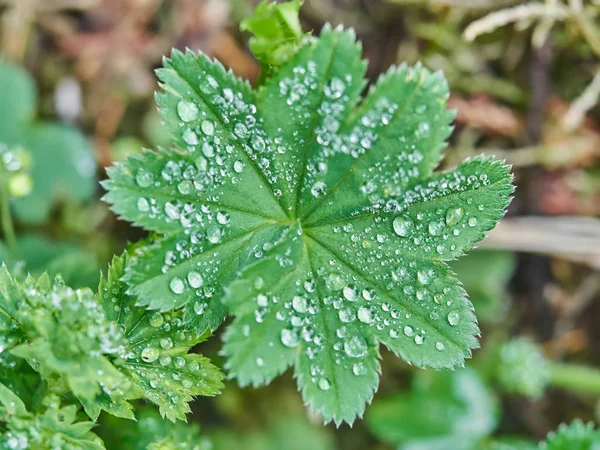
(311, 215)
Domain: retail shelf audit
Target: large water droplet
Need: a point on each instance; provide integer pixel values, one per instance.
(207, 127)
(453, 318)
(150, 354)
(289, 338)
(350, 293)
(187, 111)
(143, 178)
(403, 226)
(453, 216)
(436, 228)
(195, 279)
(355, 347)
(323, 384)
(299, 304)
(365, 315)
(177, 285)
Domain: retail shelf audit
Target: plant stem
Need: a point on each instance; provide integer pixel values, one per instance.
(7, 223)
(575, 377)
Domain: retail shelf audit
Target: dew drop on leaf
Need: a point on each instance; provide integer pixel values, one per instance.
(453, 216)
(299, 304)
(453, 318)
(365, 315)
(350, 293)
(355, 347)
(323, 384)
(440, 346)
(436, 228)
(176, 285)
(207, 127)
(408, 331)
(289, 338)
(156, 320)
(195, 279)
(403, 226)
(472, 221)
(143, 205)
(238, 166)
(187, 111)
(143, 178)
(150, 354)
(359, 369)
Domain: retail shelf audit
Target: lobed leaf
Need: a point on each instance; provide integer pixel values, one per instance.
(315, 217)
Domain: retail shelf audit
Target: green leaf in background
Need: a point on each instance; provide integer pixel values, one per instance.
(151, 432)
(55, 428)
(63, 169)
(18, 101)
(522, 368)
(486, 288)
(319, 223)
(285, 432)
(443, 410)
(38, 254)
(573, 436)
(277, 33)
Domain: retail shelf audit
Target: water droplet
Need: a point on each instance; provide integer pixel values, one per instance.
(143, 204)
(403, 226)
(453, 318)
(156, 320)
(335, 281)
(299, 304)
(260, 362)
(355, 347)
(143, 178)
(365, 315)
(419, 339)
(177, 285)
(187, 111)
(350, 293)
(207, 127)
(453, 216)
(166, 343)
(323, 384)
(190, 137)
(289, 338)
(185, 187)
(440, 346)
(425, 276)
(238, 166)
(195, 279)
(359, 369)
(199, 307)
(346, 315)
(472, 221)
(150, 354)
(436, 228)
(408, 331)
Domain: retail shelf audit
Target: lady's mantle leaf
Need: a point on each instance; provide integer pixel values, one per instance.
(316, 218)
(574, 436)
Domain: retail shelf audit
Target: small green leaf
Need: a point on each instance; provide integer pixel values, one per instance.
(443, 410)
(156, 350)
(55, 427)
(573, 436)
(314, 217)
(277, 33)
(522, 368)
(18, 101)
(63, 169)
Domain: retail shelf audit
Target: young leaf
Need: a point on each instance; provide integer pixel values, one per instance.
(18, 100)
(277, 33)
(319, 223)
(443, 410)
(105, 348)
(573, 436)
(54, 428)
(156, 349)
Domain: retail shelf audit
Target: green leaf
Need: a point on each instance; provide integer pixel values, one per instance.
(63, 169)
(522, 368)
(443, 410)
(573, 436)
(487, 288)
(156, 348)
(319, 223)
(151, 432)
(277, 33)
(18, 100)
(56, 427)
(287, 431)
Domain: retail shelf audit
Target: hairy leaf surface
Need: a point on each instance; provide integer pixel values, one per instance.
(313, 215)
